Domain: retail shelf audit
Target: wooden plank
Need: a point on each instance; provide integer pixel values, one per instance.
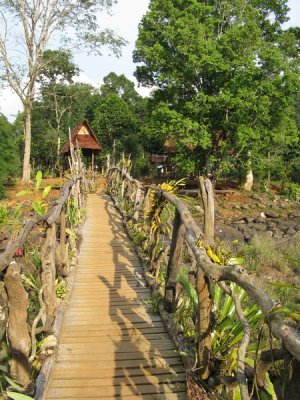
(113, 344)
(72, 373)
(126, 389)
(110, 345)
(169, 396)
(104, 381)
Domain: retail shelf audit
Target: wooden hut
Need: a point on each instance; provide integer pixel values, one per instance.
(84, 138)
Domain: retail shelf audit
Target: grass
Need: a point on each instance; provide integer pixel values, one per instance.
(275, 261)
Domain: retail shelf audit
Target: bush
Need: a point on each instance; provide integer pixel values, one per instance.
(140, 167)
(2, 192)
(292, 191)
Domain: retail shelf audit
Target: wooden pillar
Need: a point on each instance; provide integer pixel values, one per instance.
(207, 195)
(93, 161)
(18, 335)
(174, 266)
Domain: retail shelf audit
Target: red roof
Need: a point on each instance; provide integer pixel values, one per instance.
(84, 136)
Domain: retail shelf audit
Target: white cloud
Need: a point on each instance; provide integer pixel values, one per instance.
(10, 104)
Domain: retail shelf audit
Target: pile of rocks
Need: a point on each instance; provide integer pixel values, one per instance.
(269, 223)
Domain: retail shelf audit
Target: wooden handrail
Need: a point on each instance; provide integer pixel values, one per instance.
(286, 333)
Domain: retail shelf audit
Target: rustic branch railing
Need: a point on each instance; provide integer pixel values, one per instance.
(56, 247)
(132, 198)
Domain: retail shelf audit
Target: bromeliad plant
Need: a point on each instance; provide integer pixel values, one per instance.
(39, 203)
(157, 216)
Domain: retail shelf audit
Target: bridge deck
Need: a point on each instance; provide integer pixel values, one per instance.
(110, 345)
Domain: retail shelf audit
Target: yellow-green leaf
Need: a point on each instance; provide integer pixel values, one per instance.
(46, 191)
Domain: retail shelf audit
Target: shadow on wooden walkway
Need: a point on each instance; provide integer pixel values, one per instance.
(110, 345)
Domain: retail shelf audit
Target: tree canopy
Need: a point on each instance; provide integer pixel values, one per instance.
(27, 28)
(226, 75)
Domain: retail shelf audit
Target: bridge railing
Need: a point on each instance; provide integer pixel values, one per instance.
(35, 267)
(161, 224)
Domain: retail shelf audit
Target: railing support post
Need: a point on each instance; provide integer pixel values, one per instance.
(174, 266)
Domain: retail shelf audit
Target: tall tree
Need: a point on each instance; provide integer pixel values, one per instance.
(56, 96)
(113, 120)
(9, 155)
(26, 29)
(227, 75)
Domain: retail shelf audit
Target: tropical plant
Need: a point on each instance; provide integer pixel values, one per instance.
(39, 204)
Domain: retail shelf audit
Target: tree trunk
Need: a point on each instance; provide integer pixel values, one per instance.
(249, 177)
(248, 181)
(27, 145)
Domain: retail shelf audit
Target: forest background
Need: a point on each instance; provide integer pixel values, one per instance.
(228, 96)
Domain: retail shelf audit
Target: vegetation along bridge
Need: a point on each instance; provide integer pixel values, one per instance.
(147, 312)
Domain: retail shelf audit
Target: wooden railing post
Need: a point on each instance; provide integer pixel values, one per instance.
(204, 324)
(174, 265)
(207, 196)
(18, 335)
(49, 275)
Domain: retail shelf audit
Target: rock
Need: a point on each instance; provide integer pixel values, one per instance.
(271, 214)
(254, 196)
(259, 220)
(294, 214)
(249, 220)
(228, 234)
(271, 226)
(290, 231)
(268, 233)
(260, 227)
(277, 235)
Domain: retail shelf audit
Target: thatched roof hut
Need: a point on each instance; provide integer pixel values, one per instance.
(84, 138)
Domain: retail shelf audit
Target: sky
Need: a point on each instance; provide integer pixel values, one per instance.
(124, 20)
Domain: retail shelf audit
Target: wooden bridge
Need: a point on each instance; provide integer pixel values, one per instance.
(110, 345)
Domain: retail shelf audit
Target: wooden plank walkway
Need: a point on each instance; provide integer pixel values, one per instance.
(110, 346)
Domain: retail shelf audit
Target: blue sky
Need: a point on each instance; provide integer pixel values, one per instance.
(125, 18)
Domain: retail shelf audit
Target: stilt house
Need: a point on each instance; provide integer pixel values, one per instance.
(84, 138)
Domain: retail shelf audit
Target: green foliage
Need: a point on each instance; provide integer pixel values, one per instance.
(60, 289)
(292, 191)
(9, 157)
(226, 76)
(39, 204)
(74, 214)
(113, 120)
(267, 256)
(4, 215)
(18, 396)
(2, 192)
(189, 290)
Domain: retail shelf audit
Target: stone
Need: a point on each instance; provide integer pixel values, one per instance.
(271, 214)
(294, 214)
(260, 227)
(228, 234)
(290, 231)
(268, 233)
(259, 220)
(254, 196)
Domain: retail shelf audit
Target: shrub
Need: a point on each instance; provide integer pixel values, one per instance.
(292, 191)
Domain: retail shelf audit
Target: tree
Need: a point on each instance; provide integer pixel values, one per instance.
(227, 75)
(9, 157)
(121, 86)
(113, 120)
(60, 107)
(27, 28)
(59, 71)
